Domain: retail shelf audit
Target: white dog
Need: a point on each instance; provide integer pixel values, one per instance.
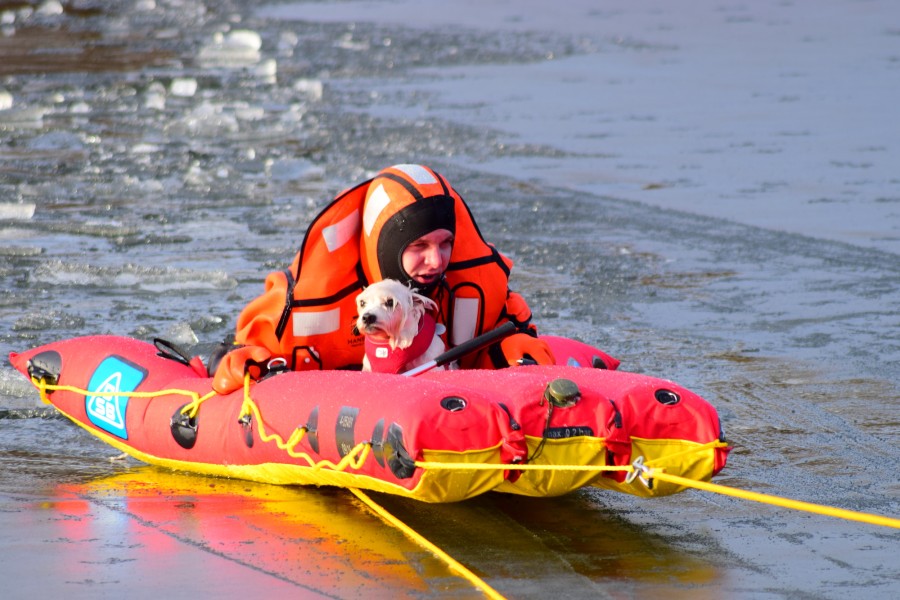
(400, 334)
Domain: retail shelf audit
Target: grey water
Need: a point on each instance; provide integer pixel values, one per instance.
(158, 158)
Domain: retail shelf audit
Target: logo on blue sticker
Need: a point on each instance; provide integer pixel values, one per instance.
(113, 377)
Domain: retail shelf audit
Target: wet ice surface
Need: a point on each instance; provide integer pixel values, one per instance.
(149, 183)
(767, 114)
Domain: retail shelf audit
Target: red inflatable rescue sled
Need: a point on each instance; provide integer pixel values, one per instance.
(442, 436)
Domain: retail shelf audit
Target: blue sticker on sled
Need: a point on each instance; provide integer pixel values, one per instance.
(113, 376)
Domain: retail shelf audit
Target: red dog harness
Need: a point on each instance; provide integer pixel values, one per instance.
(385, 359)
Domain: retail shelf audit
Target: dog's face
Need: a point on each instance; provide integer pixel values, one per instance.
(389, 310)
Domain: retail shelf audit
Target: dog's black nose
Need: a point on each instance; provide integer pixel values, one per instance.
(368, 319)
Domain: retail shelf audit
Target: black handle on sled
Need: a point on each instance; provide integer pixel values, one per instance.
(485, 339)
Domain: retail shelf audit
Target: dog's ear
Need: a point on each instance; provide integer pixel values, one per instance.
(413, 310)
(426, 302)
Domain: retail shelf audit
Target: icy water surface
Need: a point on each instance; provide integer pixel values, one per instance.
(159, 157)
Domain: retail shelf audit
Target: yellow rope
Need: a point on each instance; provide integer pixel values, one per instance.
(43, 388)
(776, 500)
(516, 467)
(419, 539)
(354, 459)
(192, 409)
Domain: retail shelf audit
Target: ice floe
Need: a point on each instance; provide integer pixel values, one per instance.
(295, 169)
(49, 8)
(184, 87)
(155, 96)
(311, 88)
(181, 333)
(237, 48)
(10, 211)
(129, 277)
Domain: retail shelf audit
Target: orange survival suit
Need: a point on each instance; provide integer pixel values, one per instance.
(307, 314)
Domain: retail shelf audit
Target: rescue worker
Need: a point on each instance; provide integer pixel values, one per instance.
(408, 224)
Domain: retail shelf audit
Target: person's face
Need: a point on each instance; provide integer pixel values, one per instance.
(426, 259)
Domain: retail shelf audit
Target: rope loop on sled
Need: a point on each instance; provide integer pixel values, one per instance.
(354, 459)
(639, 470)
(45, 388)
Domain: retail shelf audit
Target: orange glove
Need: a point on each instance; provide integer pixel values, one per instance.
(229, 374)
(523, 349)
